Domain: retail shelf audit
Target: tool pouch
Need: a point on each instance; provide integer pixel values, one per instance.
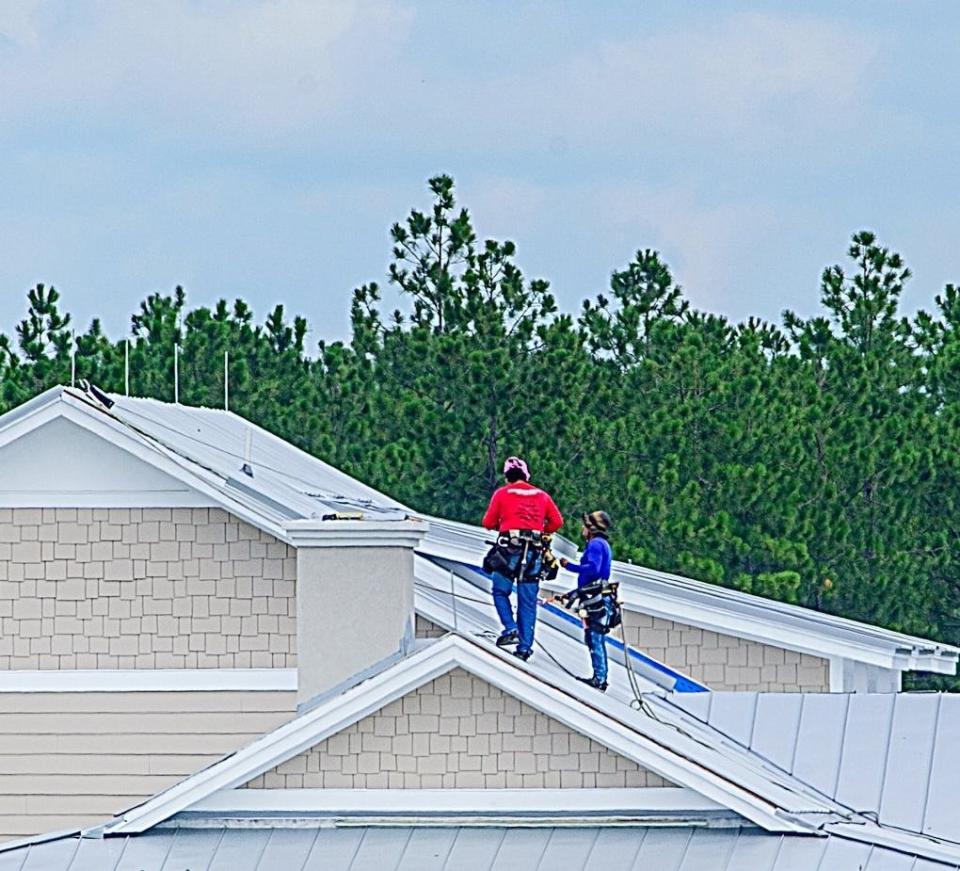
(599, 607)
(495, 561)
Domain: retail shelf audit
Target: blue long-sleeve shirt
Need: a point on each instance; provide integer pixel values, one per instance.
(595, 563)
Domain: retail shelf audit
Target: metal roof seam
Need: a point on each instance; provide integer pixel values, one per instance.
(403, 851)
(823, 854)
(843, 741)
(356, 849)
(219, 844)
(753, 720)
(886, 758)
(686, 849)
(123, 850)
(729, 859)
(593, 846)
(446, 855)
(543, 850)
(796, 737)
(503, 838)
(933, 745)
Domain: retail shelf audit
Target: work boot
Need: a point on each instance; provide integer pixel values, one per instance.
(508, 639)
(523, 654)
(593, 682)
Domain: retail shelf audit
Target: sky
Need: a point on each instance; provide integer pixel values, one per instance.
(262, 148)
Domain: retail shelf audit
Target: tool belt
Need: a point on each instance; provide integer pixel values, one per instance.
(591, 602)
(522, 543)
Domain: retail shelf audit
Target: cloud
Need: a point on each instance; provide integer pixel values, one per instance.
(265, 72)
(742, 81)
(260, 70)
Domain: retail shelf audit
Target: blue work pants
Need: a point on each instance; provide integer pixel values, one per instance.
(595, 636)
(526, 598)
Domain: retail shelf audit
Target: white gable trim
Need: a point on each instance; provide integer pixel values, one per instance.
(660, 747)
(79, 410)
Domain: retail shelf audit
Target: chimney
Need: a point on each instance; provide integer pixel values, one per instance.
(354, 598)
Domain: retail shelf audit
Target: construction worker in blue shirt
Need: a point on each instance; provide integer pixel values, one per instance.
(593, 596)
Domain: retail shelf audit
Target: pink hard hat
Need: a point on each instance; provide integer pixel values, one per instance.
(516, 463)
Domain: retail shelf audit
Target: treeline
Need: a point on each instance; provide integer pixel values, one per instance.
(815, 461)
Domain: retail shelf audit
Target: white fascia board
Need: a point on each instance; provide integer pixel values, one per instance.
(765, 629)
(660, 755)
(750, 628)
(150, 680)
(388, 802)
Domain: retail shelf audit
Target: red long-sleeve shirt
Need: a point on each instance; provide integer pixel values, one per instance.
(522, 506)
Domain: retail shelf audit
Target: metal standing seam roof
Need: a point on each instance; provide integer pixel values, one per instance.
(457, 598)
(461, 849)
(895, 755)
(288, 483)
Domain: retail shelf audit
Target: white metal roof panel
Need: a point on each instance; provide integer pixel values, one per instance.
(427, 850)
(942, 812)
(865, 743)
(753, 849)
(820, 740)
(614, 849)
(587, 848)
(732, 714)
(776, 717)
(895, 755)
(907, 770)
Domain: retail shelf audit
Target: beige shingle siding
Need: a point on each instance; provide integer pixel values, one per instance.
(143, 588)
(75, 759)
(724, 662)
(457, 732)
(425, 628)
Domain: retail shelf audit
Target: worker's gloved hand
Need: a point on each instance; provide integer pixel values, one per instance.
(564, 561)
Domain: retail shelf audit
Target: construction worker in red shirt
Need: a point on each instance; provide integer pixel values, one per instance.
(522, 514)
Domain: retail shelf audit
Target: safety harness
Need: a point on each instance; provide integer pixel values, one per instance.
(591, 602)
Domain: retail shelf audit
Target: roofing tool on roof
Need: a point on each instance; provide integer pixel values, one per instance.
(343, 515)
(95, 392)
(246, 468)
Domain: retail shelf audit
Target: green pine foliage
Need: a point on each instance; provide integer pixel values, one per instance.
(812, 461)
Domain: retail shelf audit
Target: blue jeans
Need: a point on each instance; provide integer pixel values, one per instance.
(595, 636)
(526, 600)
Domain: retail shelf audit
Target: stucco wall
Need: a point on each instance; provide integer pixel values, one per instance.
(724, 662)
(143, 588)
(71, 760)
(457, 731)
